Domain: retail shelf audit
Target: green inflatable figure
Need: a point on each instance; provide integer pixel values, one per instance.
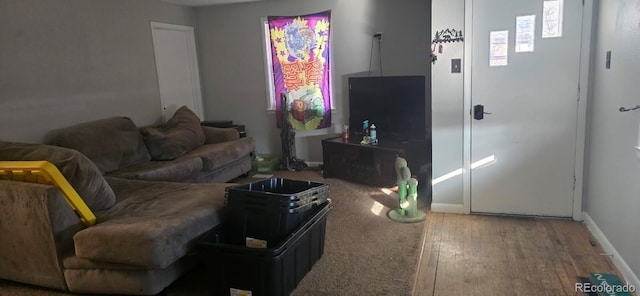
(407, 211)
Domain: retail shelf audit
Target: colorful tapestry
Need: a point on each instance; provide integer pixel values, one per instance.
(300, 56)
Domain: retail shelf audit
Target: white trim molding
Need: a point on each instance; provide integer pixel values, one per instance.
(448, 208)
(314, 164)
(618, 261)
(583, 99)
(466, 108)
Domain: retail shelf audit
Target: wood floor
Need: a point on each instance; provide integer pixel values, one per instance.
(493, 255)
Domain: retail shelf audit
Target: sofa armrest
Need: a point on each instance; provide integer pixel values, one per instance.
(36, 230)
(219, 134)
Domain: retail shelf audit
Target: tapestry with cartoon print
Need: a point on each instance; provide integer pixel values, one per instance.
(300, 57)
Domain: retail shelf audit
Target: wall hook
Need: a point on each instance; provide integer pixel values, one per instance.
(448, 35)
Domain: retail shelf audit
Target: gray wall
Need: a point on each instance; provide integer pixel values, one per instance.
(231, 58)
(612, 186)
(68, 61)
(447, 99)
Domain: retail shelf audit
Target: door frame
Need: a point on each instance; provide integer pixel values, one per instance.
(583, 99)
(193, 62)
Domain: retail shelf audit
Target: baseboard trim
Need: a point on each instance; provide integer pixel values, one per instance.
(447, 208)
(618, 261)
(314, 164)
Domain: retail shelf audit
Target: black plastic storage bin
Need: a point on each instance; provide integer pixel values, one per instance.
(269, 210)
(265, 272)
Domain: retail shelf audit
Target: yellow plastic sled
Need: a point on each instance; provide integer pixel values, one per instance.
(44, 172)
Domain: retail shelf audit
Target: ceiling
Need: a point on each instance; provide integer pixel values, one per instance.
(205, 2)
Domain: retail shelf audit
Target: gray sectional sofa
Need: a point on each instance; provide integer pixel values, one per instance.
(180, 150)
(154, 190)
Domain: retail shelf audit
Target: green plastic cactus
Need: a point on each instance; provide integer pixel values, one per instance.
(403, 175)
(407, 210)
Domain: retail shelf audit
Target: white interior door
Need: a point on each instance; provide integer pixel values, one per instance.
(177, 68)
(523, 153)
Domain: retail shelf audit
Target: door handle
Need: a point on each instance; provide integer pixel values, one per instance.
(478, 112)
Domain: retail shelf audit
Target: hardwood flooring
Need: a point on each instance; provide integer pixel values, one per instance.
(498, 255)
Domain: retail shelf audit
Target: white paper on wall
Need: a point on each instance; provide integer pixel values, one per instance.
(552, 11)
(525, 33)
(498, 48)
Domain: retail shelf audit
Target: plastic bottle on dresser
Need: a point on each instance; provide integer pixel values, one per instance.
(366, 137)
(374, 134)
(345, 133)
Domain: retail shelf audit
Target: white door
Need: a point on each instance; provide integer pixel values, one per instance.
(177, 68)
(523, 153)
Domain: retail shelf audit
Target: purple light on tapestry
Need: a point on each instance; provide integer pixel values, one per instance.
(300, 55)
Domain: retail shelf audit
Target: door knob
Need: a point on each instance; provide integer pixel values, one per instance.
(478, 112)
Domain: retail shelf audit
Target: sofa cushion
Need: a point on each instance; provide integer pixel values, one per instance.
(219, 134)
(110, 143)
(81, 173)
(177, 170)
(179, 135)
(153, 223)
(86, 277)
(218, 155)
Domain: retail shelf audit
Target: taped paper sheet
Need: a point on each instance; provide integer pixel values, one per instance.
(498, 48)
(552, 11)
(525, 33)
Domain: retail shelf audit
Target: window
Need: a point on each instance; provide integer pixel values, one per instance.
(268, 65)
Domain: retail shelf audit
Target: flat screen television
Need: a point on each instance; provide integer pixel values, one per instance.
(395, 104)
